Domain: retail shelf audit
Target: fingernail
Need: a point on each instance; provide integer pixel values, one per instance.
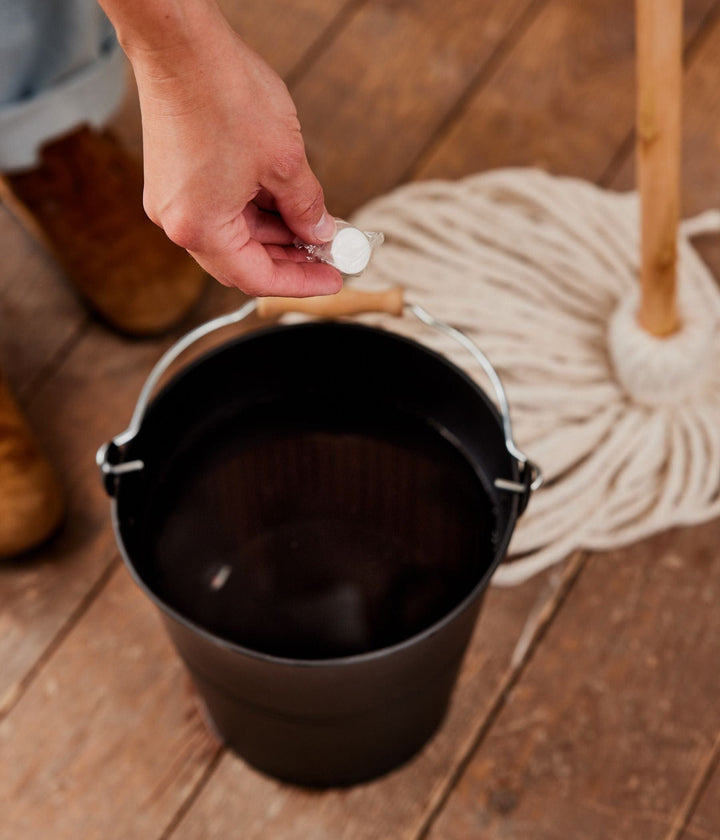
(325, 228)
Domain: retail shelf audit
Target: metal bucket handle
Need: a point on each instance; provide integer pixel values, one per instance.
(347, 302)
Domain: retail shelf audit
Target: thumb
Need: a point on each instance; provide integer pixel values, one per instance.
(300, 201)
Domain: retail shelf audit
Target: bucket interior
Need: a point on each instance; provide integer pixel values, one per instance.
(316, 491)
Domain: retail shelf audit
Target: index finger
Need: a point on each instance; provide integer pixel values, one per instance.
(253, 270)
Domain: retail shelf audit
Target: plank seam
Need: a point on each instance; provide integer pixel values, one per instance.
(681, 821)
(17, 692)
(327, 35)
(618, 159)
(483, 75)
(511, 677)
(56, 361)
(692, 47)
(703, 33)
(189, 801)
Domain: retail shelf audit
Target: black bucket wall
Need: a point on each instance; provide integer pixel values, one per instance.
(316, 518)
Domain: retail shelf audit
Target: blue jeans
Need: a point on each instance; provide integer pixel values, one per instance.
(60, 67)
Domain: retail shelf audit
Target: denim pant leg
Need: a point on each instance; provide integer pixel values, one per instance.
(60, 67)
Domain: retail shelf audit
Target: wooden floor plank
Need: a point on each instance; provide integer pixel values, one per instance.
(387, 83)
(602, 736)
(564, 100)
(281, 33)
(91, 752)
(32, 293)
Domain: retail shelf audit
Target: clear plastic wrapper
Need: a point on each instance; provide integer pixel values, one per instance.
(349, 250)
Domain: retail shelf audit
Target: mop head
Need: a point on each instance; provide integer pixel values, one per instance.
(542, 272)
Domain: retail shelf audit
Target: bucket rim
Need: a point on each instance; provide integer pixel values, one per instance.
(351, 659)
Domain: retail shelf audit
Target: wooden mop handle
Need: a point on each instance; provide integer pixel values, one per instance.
(659, 95)
(347, 301)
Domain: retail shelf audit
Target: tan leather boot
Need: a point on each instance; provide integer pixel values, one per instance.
(30, 498)
(84, 202)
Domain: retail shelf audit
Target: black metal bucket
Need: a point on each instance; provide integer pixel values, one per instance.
(317, 510)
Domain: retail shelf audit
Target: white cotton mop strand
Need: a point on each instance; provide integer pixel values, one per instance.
(541, 272)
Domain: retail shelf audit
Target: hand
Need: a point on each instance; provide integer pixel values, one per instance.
(226, 174)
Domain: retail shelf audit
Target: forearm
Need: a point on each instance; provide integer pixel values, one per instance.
(160, 31)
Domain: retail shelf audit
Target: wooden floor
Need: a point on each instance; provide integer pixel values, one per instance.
(588, 706)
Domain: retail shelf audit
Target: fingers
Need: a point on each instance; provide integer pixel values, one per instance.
(253, 252)
(273, 270)
(299, 197)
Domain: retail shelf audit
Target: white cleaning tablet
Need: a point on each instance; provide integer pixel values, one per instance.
(350, 251)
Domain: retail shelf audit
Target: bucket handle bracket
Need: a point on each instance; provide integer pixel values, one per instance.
(530, 475)
(109, 458)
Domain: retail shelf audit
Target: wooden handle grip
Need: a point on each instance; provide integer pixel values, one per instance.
(347, 301)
